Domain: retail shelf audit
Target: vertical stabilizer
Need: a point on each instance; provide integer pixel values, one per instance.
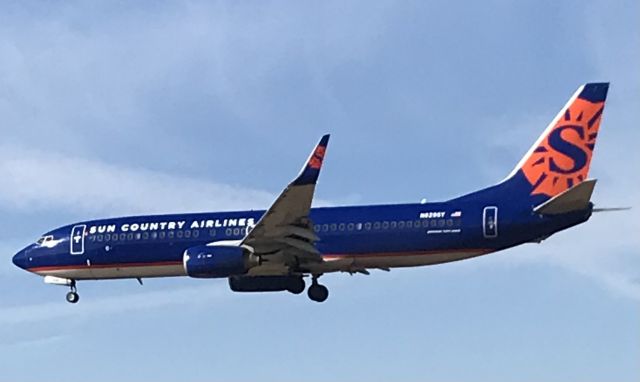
(561, 156)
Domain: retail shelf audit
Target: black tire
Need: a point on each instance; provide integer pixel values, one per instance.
(72, 297)
(318, 293)
(296, 286)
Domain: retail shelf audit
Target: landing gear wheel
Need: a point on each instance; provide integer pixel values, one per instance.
(72, 297)
(318, 293)
(296, 286)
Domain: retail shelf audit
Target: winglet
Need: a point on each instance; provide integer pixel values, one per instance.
(311, 170)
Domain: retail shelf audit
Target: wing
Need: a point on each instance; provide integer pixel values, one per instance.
(284, 236)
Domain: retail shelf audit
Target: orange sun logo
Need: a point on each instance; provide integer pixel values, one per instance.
(318, 156)
(562, 159)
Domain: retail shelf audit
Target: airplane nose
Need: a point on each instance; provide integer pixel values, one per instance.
(20, 259)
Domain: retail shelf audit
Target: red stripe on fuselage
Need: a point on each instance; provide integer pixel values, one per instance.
(481, 251)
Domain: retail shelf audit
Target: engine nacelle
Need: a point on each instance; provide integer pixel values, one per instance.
(211, 261)
(293, 284)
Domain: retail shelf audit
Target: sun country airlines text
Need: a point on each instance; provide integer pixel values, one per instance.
(171, 225)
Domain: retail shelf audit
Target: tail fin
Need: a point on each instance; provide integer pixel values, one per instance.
(560, 158)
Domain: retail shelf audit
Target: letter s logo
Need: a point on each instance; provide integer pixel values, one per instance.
(568, 149)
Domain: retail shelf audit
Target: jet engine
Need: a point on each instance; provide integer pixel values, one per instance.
(211, 261)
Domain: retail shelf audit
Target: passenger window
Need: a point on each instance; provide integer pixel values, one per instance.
(401, 225)
(385, 225)
(434, 223)
(416, 224)
(440, 223)
(100, 238)
(325, 227)
(350, 226)
(138, 236)
(107, 237)
(196, 233)
(394, 224)
(316, 228)
(212, 232)
(410, 224)
(359, 226)
(145, 236)
(162, 235)
(376, 225)
(367, 226)
(123, 237)
(334, 226)
(228, 232)
(449, 222)
(425, 223)
(237, 231)
(92, 238)
(341, 227)
(154, 235)
(170, 235)
(179, 234)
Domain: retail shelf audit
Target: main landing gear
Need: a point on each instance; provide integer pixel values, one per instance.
(296, 285)
(72, 296)
(317, 292)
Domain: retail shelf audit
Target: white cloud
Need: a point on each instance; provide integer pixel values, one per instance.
(26, 342)
(37, 180)
(116, 71)
(604, 249)
(26, 314)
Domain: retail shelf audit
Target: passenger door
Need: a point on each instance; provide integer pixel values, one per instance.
(76, 240)
(490, 222)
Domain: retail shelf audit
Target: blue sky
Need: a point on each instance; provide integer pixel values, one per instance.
(118, 108)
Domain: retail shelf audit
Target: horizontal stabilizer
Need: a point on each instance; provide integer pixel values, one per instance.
(575, 198)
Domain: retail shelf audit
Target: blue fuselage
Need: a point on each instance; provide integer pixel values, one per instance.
(367, 236)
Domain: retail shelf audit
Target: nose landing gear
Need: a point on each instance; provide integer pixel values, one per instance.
(72, 296)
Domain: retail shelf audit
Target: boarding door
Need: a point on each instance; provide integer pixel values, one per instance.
(77, 239)
(490, 222)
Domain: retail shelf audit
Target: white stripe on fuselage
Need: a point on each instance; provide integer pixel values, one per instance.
(121, 272)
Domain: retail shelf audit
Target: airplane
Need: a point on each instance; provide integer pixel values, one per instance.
(276, 250)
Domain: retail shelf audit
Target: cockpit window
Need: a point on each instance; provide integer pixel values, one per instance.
(44, 239)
